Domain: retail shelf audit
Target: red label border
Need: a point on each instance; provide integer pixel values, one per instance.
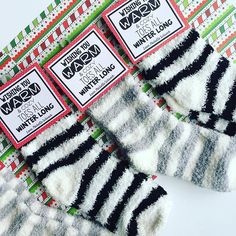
(155, 48)
(66, 110)
(65, 90)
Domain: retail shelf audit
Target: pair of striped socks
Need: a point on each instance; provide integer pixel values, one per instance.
(78, 173)
(195, 80)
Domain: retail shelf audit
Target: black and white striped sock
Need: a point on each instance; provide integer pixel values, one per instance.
(196, 77)
(212, 121)
(22, 215)
(155, 140)
(77, 172)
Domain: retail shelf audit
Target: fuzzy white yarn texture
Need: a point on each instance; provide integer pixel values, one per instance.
(78, 173)
(22, 215)
(156, 141)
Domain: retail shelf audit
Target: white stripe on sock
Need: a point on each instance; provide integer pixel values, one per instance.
(97, 183)
(48, 134)
(63, 183)
(60, 152)
(115, 196)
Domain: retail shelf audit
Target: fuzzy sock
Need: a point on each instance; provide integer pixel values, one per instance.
(22, 215)
(213, 122)
(196, 77)
(78, 173)
(207, 120)
(155, 140)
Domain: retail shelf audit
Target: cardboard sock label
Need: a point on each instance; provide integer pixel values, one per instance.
(87, 68)
(143, 26)
(29, 104)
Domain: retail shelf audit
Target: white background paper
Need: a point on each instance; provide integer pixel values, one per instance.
(195, 211)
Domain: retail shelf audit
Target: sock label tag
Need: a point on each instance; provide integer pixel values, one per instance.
(87, 68)
(29, 104)
(144, 26)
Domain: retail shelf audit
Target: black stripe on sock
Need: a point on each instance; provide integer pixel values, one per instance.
(153, 197)
(213, 82)
(177, 53)
(193, 115)
(231, 129)
(88, 175)
(230, 105)
(192, 69)
(116, 214)
(53, 143)
(68, 160)
(210, 124)
(107, 189)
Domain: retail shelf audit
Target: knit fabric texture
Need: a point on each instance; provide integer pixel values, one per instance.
(77, 172)
(154, 140)
(193, 77)
(22, 215)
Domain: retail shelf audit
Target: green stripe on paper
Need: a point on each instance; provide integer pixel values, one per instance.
(185, 3)
(29, 181)
(35, 22)
(6, 50)
(7, 153)
(13, 43)
(97, 133)
(57, 2)
(43, 15)
(72, 211)
(35, 187)
(50, 8)
(216, 22)
(89, 19)
(146, 87)
(27, 29)
(20, 36)
(4, 60)
(197, 12)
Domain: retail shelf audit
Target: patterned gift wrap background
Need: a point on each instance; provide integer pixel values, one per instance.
(59, 24)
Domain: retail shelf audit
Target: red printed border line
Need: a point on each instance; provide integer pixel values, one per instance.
(64, 106)
(225, 43)
(211, 6)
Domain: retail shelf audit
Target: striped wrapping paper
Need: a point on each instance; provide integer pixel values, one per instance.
(60, 23)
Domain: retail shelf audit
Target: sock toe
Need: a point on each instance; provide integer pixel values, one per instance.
(152, 220)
